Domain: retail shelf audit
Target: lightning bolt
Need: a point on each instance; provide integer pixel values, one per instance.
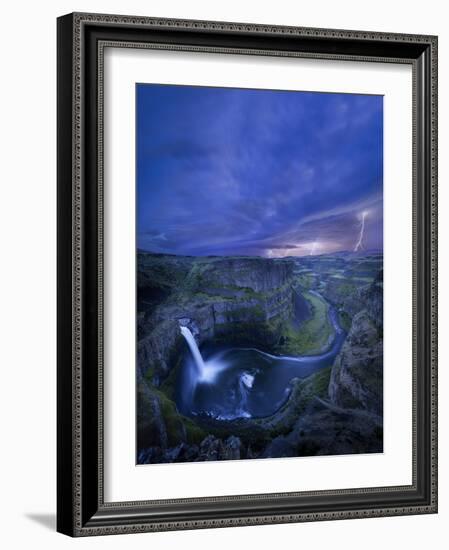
(359, 244)
(314, 247)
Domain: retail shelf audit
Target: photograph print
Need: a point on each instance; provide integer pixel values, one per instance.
(259, 297)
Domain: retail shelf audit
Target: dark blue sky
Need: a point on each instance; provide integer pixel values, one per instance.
(224, 171)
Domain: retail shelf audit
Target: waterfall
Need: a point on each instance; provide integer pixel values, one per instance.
(200, 372)
(199, 361)
(205, 371)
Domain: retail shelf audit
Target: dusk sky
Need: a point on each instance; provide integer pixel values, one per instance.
(223, 171)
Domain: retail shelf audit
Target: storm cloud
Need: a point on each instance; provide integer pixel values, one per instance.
(224, 171)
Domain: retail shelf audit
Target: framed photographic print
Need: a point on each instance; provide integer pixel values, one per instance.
(246, 274)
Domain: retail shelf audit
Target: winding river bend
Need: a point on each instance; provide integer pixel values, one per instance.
(230, 383)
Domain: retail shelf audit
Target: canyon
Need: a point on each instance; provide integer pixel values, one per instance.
(285, 308)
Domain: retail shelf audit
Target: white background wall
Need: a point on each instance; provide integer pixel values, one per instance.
(27, 272)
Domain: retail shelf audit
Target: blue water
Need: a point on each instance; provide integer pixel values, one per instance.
(246, 382)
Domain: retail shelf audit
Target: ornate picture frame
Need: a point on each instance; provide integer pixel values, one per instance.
(81, 507)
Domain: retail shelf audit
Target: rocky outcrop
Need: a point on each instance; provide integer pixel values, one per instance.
(210, 449)
(372, 298)
(156, 352)
(350, 298)
(357, 376)
(150, 419)
(344, 295)
(253, 274)
(326, 431)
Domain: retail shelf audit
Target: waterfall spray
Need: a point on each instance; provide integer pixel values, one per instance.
(245, 384)
(196, 371)
(206, 371)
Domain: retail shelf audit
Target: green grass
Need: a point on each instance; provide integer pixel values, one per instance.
(319, 382)
(175, 422)
(345, 320)
(168, 385)
(338, 276)
(313, 335)
(345, 288)
(303, 392)
(364, 279)
(162, 271)
(306, 280)
(149, 374)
